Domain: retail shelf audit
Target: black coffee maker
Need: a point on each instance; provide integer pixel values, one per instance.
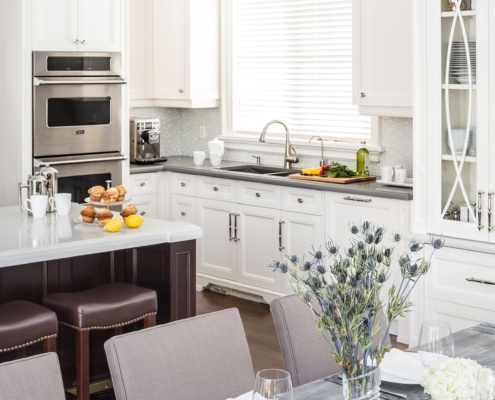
(145, 141)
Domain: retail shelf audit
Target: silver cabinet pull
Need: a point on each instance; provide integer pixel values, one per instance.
(480, 193)
(299, 200)
(230, 227)
(480, 281)
(182, 213)
(76, 41)
(142, 184)
(490, 210)
(236, 239)
(143, 213)
(363, 94)
(83, 41)
(258, 194)
(357, 199)
(280, 247)
(215, 188)
(183, 184)
(180, 90)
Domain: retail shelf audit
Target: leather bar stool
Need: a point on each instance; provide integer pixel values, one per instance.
(23, 324)
(109, 306)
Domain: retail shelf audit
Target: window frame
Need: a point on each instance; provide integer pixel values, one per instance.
(275, 141)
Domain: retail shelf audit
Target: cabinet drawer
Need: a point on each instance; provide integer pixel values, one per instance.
(146, 205)
(259, 194)
(184, 184)
(450, 269)
(183, 208)
(142, 184)
(302, 200)
(216, 189)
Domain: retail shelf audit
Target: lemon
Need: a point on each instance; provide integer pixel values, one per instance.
(133, 221)
(113, 225)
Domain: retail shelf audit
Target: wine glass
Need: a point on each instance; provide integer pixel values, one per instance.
(485, 384)
(272, 384)
(436, 343)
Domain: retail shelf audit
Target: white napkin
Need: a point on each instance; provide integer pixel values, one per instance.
(402, 367)
(245, 396)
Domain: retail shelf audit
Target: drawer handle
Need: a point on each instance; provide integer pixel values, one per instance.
(182, 213)
(299, 200)
(480, 281)
(143, 213)
(357, 199)
(142, 184)
(258, 194)
(215, 188)
(183, 184)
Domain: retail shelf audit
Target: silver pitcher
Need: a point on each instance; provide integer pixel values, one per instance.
(36, 184)
(51, 176)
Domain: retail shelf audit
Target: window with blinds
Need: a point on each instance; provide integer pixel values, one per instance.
(292, 61)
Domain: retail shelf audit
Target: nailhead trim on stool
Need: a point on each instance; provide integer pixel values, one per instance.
(104, 307)
(23, 323)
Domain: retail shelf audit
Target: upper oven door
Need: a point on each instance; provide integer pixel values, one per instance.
(76, 115)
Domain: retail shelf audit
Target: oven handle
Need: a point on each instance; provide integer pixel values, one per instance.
(38, 163)
(39, 82)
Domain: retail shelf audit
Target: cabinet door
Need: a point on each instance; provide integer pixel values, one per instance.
(140, 42)
(169, 49)
(54, 25)
(99, 25)
(217, 247)
(257, 245)
(382, 57)
(300, 232)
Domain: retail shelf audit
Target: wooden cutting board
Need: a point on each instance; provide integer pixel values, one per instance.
(315, 178)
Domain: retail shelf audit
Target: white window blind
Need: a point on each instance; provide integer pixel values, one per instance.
(292, 61)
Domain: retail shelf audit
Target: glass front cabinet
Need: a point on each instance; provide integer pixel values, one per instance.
(458, 117)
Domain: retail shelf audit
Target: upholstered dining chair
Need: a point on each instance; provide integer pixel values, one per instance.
(203, 357)
(305, 351)
(37, 377)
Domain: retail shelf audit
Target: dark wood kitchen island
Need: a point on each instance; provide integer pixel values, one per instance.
(61, 254)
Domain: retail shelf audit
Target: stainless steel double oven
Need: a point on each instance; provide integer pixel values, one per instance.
(77, 118)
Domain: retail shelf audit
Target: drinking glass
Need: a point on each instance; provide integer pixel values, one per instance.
(272, 384)
(485, 384)
(436, 343)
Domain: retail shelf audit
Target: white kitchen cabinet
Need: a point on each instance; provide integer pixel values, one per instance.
(459, 288)
(143, 192)
(183, 208)
(164, 195)
(77, 25)
(175, 53)
(459, 112)
(382, 57)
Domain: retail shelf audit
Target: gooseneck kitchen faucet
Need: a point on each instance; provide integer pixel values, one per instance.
(289, 156)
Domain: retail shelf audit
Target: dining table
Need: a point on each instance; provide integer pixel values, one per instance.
(476, 343)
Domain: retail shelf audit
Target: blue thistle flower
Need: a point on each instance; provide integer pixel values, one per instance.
(283, 267)
(360, 245)
(414, 246)
(306, 266)
(396, 237)
(332, 248)
(321, 269)
(350, 252)
(294, 259)
(379, 257)
(388, 252)
(370, 238)
(354, 229)
(437, 243)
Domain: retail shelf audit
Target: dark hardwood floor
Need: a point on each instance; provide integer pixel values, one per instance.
(258, 324)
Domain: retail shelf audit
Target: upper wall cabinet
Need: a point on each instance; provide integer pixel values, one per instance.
(77, 25)
(382, 57)
(174, 53)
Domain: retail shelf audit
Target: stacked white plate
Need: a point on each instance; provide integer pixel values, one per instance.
(458, 136)
(458, 61)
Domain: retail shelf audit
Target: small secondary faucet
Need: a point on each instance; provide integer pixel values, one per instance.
(289, 156)
(322, 161)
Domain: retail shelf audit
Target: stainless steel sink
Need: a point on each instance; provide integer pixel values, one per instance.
(261, 170)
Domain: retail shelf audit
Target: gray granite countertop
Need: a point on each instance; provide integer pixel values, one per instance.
(185, 165)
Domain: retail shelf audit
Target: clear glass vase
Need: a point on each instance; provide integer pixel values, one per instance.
(362, 387)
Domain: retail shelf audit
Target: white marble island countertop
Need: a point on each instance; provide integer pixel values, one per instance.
(24, 239)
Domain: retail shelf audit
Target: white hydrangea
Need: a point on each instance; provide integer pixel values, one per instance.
(453, 379)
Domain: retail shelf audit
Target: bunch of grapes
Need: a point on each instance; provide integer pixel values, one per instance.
(324, 170)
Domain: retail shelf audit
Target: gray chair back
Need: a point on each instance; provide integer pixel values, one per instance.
(36, 377)
(204, 357)
(305, 351)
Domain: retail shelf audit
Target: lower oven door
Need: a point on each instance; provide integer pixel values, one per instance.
(76, 174)
(77, 116)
